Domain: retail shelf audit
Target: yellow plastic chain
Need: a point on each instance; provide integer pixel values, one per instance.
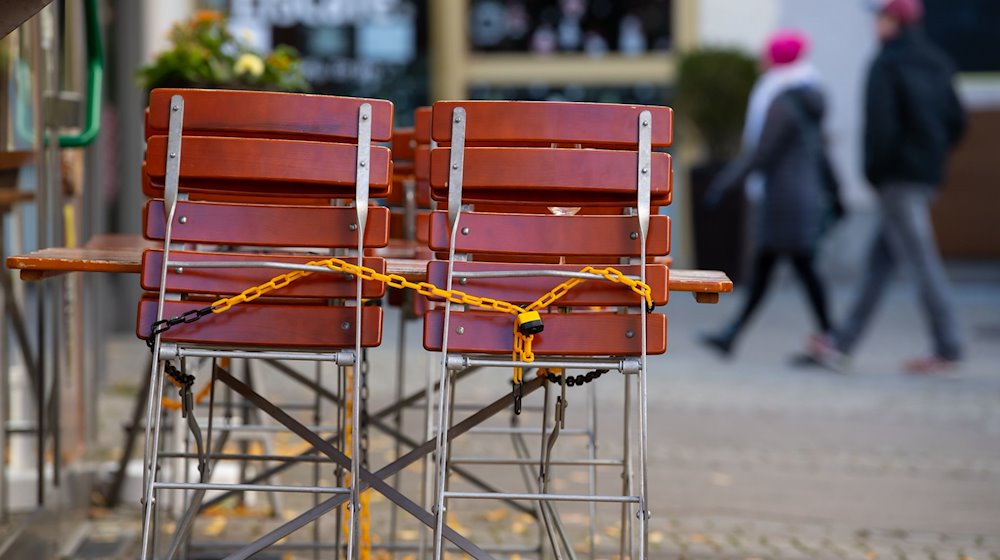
(522, 343)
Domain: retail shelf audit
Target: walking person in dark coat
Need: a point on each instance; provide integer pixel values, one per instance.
(913, 119)
(782, 161)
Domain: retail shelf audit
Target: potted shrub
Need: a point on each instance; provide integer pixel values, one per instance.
(713, 87)
(205, 54)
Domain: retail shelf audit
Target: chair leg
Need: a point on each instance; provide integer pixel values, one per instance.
(426, 490)
(625, 541)
(400, 392)
(543, 475)
(440, 508)
(592, 469)
(643, 513)
(154, 413)
(354, 505)
(376, 481)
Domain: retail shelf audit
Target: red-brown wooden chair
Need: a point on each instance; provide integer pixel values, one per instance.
(245, 170)
(511, 152)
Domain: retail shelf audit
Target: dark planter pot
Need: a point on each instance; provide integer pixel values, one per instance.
(719, 230)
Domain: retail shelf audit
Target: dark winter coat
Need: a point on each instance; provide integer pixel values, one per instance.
(913, 116)
(789, 155)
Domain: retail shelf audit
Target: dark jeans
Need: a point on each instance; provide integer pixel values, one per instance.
(905, 236)
(803, 264)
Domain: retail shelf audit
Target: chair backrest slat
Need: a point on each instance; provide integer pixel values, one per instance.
(229, 281)
(539, 234)
(522, 290)
(268, 115)
(556, 175)
(263, 225)
(266, 167)
(515, 123)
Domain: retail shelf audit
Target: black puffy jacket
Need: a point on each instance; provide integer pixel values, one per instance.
(913, 116)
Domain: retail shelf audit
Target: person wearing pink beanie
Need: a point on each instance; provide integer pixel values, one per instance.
(784, 167)
(785, 47)
(912, 120)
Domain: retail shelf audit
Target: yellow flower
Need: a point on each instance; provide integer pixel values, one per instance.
(249, 63)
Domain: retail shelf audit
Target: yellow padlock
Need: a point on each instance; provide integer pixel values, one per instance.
(529, 322)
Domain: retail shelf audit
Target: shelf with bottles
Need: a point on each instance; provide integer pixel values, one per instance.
(596, 28)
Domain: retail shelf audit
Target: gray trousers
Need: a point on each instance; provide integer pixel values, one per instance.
(905, 236)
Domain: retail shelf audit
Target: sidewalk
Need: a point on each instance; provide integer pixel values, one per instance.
(762, 459)
(753, 458)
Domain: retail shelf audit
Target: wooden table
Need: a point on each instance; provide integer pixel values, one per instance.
(123, 253)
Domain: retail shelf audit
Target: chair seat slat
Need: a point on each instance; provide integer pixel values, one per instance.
(229, 281)
(575, 334)
(532, 234)
(526, 289)
(267, 325)
(263, 225)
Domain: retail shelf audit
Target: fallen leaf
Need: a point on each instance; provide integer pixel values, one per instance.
(408, 534)
(495, 515)
(214, 527)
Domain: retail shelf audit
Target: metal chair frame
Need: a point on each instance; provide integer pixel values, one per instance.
(166, 351)
(452, 364)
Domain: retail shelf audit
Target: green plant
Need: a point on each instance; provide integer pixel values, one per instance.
(206, 54)
(713, 86)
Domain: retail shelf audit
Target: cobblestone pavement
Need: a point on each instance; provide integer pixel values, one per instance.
(752, 458)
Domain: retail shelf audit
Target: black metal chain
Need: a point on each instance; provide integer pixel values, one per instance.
(183, 379)
(571, 381)
(165, 325)
(186, 381)
(576, 380)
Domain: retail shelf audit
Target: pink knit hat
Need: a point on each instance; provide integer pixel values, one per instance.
(786, 46)
(905, 11)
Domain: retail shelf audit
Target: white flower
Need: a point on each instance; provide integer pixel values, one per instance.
(249, 63)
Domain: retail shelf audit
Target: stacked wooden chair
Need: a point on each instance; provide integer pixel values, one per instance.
(262, 203)
(562, 156)
(245, 186)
